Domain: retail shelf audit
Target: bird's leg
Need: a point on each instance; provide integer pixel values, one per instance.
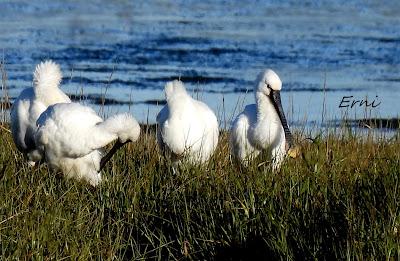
(109, 155)
(31, 163)
(35, 156)
(175, 168)
(174, 171)
(35, 165)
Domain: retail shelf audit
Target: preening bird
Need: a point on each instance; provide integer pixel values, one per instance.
(32, 102)
(187, 128)
(70, 137)
(262, 126)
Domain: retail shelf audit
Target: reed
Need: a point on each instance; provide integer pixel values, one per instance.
(339, 200)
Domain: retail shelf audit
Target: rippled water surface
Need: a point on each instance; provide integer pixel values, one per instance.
(125, 51)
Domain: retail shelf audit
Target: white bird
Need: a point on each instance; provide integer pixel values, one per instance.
(262, 126)
(32, 102)
(70, 137)
(187, 128)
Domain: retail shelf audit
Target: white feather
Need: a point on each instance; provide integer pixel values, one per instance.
(71, 135)
(187, 127)
(32, 102)
(259, 127)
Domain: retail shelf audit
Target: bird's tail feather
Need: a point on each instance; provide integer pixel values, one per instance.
(47, 75)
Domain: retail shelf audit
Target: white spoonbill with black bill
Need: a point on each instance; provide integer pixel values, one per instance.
(187, 128)
(70, 137)
(262, 126)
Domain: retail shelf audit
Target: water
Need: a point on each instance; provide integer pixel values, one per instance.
(127, 50)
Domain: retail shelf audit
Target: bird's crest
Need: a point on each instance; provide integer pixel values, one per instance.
(173, 88)
(47, 75)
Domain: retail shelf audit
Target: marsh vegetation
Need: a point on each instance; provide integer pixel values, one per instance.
(339, 199)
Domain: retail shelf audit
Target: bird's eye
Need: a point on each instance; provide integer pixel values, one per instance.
(268, 85)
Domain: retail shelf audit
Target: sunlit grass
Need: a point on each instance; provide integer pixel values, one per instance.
(340, 199)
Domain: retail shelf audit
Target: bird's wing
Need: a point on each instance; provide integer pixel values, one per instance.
(209, 124)
(162, 116)
(173, 136)
(240, 144)
(20, 123)
(173, 129)
(66, 129)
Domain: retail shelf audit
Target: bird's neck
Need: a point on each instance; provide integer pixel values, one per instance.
(265, 109)
(179, 104)
(105, 132)
(51, 96)
(108, 126)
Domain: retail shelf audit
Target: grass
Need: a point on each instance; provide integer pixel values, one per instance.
(339, 200)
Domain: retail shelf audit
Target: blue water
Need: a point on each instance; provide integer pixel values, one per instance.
(127, 50)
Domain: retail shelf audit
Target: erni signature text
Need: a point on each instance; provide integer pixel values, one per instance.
(350, 101)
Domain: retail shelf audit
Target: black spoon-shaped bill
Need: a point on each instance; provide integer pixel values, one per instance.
(109, 155)
(276, 100)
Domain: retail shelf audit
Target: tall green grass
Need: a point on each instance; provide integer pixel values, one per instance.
(339, 200)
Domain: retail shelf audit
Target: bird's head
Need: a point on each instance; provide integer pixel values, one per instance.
(267, 82)
(173, 88)
(131, 130)
(127, 130)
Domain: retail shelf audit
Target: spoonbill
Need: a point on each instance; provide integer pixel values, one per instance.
(187, 128)
(70, 137)
(32, 102)
(262, 126)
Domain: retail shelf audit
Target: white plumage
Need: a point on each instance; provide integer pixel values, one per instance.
(262, 126)
(187, 128)
(32, 102)
(71, 135)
